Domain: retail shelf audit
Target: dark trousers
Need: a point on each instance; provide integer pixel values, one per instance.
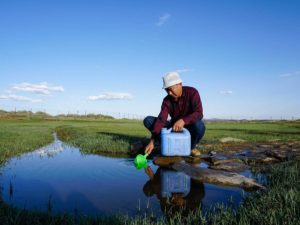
(197, 130)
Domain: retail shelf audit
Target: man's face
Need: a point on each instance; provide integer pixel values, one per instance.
(174, 91)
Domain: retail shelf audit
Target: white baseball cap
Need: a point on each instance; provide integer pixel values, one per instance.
(171, 79)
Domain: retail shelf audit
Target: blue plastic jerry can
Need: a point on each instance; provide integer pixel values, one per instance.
(174, 182)
(175, 143)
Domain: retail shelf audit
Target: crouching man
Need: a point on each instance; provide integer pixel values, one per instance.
(184, 106)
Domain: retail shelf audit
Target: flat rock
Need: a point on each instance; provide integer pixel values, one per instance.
(280, 155)
(167, 161)
(259, 160)
(222, 161)
(230, 139)
(215, 158)
(217, 177)
(230, 166)
(284, 147)
(265, 146)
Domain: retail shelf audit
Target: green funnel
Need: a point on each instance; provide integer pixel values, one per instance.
(140, 161)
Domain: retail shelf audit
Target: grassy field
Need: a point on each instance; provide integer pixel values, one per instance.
(255, 131)
(106, 135)
(115, 136)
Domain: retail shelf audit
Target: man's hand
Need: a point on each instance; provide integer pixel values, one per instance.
(149, 148)
(178, 125)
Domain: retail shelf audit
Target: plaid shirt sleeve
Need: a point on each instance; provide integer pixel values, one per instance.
(161, 119)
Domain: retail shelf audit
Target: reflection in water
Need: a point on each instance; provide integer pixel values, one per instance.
(175, 191)
(52, 149)
(60, 179)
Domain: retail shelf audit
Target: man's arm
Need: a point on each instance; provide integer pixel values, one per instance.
(159, 123)
(150, 146)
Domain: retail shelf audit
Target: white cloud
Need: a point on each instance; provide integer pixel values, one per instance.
(111, 96)
(18, 98)
(226, 92)
(41, 88)
(185, 70)
(163, 19)
(284, 75)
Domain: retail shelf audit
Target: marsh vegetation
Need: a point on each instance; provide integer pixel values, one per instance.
(279, 204)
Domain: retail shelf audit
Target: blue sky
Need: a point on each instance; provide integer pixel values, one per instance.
(110, 56)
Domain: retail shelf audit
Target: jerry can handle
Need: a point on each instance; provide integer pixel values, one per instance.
(167, 131)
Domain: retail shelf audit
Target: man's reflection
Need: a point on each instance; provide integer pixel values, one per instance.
(175, 191)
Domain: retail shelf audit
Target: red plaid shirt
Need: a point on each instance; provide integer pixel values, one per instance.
(188, 107)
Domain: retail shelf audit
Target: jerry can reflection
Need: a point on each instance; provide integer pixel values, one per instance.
(174, 182)
(175, 143)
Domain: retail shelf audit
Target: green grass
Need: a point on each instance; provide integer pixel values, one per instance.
(278, 205)
(17, 137)
(115, 136)
(103, 136)
(254, 131)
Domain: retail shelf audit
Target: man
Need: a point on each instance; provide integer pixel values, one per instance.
(184, 106)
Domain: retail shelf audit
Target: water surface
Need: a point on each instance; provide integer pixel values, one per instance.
(59, 178)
